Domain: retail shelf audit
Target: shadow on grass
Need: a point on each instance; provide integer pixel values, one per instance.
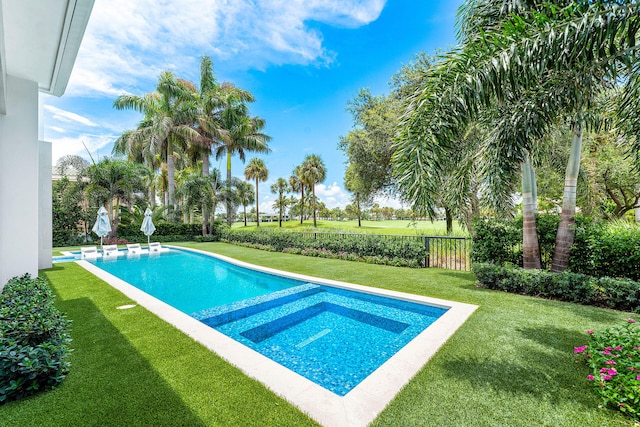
(109, 384)
(536, 375)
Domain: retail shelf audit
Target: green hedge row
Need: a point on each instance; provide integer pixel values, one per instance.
(618, 294)
(166, 232)
(601, 249)
(362, 245)
(33, 339)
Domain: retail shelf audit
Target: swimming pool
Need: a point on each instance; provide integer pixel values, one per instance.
(362, 403)
(333, 337)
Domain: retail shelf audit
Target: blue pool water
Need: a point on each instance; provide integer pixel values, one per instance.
(192, 282)
(334, 337)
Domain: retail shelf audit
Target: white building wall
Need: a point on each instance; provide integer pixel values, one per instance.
(45, 214)
(19, 181)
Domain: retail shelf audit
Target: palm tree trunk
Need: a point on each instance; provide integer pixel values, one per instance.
(448, 220)
(530, 246)
(566, 229)
(301, 203)
(205, 208)
(257, 210)
(358, 209)
(171, 179)
(313, 201)
(229, 220)
(280, 207)
(245, 215)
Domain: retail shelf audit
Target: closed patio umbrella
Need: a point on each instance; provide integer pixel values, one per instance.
(147, 225)
(102, 227)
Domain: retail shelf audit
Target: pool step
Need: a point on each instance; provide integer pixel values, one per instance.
(235, 313)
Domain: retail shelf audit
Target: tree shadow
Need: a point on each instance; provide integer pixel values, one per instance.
(109, 383)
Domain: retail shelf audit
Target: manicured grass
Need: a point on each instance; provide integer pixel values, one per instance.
(510, 364)
(426, 228)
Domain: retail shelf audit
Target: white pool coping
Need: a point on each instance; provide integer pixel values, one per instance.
(357, 408)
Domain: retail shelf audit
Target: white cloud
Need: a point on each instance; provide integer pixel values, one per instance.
(57, 129)
(74, 145)
(68, 116)
(128, 41)
(332, 195)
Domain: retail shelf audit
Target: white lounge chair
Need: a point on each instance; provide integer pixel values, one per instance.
(110, 251)
(89, 252)
(136, 249)
(155, 247)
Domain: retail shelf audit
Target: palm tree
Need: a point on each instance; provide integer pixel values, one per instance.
(295, 181)
(239, 132)
(535, 63)
(169, 113)
(111, 183)
(280, 187)
(313, 172)
(256, 169)
(246, 195)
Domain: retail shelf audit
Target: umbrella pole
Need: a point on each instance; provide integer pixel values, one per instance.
(148, 239)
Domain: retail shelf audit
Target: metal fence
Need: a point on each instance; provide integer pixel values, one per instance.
(441, 251)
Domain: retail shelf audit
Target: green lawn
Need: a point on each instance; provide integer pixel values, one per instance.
(427, 228)
(511, 363)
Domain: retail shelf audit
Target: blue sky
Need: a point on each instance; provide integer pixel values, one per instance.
(302, 60)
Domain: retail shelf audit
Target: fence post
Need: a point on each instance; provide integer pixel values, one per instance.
(427, 247)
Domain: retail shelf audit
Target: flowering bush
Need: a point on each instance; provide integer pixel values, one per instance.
(613, 356)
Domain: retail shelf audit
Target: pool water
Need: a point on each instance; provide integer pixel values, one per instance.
(331, 336)
(334, 337)
(192, 282)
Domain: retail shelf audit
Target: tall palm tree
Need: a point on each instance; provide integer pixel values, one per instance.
(256, 169)
(246, 195)
(313, 172)
(297, 185)
(240, 132)
(169, 113)
(280, 187)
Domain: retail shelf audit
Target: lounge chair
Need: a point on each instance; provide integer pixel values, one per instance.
(110, 251)
(136, 249)
(155, 247)
(89, 252)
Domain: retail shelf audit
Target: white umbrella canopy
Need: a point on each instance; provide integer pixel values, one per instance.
(102, 227)
(147, 225)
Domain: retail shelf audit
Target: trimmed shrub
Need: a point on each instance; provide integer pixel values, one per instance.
(364, 247)
(601, 249)
(33, 339)
(619, 294)
(167, 232)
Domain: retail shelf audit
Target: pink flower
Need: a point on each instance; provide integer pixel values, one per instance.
(590, 331)
(606, 353)
(618, 347)
(638, 378)
(631, 321)
(577, 350)
(591, 377)
(610, 362)
(603, 370)
(607, 377)
(612, 371)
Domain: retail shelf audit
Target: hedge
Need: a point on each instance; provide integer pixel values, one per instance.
(169, 232)
(601, 249)
(619, 294)
(363, 247)
(33, 339)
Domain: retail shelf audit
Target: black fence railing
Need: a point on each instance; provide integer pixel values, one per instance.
(440, 251)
